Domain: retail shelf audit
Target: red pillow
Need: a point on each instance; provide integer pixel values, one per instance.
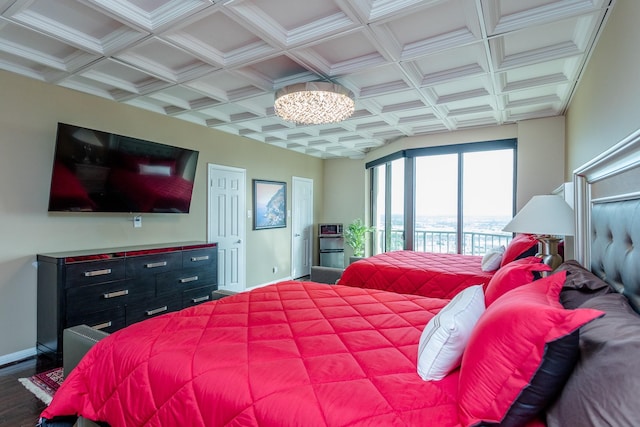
(508, 346)
(516, 274)
(521, 246)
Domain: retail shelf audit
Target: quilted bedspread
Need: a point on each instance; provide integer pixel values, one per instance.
(151, 193)
(288, 354)
(419, 273)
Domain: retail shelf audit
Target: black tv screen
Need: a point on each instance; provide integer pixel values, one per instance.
(95, 171)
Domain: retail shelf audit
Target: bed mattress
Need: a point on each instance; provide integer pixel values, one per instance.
(289, 354)
(420, 273)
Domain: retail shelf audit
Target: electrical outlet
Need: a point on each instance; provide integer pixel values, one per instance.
(137, 221)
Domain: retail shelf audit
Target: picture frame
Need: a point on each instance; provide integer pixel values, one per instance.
(269, 204)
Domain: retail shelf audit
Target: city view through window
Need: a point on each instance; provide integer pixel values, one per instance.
(485, 197)
(438, 234)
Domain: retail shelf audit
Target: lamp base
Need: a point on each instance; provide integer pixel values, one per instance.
(548, 251)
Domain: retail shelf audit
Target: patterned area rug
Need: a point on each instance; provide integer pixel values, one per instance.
(44, 384)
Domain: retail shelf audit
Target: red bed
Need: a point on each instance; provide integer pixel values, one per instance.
(153, 192)
(67, 192)
(309, 354)
(418, 273)
(433, 274)
(306, 353)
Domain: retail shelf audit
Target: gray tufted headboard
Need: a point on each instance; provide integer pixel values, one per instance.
(607, 202)
(615, 246)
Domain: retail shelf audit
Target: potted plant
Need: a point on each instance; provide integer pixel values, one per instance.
(355, 235)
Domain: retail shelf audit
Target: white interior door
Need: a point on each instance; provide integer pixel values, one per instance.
(227, 225)
(301, 226)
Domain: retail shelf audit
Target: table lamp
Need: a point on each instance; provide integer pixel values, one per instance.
(547, 217)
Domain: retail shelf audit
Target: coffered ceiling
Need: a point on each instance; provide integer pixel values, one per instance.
(415, 67)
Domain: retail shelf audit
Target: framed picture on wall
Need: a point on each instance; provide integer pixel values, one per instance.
(269, 204)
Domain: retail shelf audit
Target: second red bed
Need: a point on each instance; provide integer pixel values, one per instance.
(419, 273)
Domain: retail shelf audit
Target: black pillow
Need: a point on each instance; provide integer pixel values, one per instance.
(580, 286)
(604, 387)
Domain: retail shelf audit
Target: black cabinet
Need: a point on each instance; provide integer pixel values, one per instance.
(109, 289)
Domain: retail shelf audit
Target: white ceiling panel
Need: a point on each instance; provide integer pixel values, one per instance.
(415, 66)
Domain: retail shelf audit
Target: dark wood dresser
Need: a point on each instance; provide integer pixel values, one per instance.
(109, 289)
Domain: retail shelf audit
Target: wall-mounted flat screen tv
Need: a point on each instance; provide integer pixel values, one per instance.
(97, 171)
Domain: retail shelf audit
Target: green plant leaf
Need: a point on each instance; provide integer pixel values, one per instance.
(355, 235)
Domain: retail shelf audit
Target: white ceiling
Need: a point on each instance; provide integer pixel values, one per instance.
(415, 67)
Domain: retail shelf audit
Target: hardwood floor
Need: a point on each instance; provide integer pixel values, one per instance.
(18, 406)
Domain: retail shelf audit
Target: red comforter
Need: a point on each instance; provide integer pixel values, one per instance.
(153, 193)
(67, 191)
(418, 273)
(289, 354)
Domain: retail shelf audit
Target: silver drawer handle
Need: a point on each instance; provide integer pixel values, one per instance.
(116, 294)
(200, 299)
(189, 279)
(199, 258)
(102, 325)
(156, 310)
(97, 272)
(156, 264)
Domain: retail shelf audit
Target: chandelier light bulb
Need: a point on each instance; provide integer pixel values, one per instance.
(314, 103)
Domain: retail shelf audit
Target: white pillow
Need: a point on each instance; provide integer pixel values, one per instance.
(445, 337)
(492, 259)
(155, 170)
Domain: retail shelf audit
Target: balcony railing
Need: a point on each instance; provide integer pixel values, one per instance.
(473, 243)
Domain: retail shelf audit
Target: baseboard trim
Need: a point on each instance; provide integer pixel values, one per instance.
(284, 279)
(225, 292)
(7, 359)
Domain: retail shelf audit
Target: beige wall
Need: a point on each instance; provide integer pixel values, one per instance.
(540, 157)
(344, 195)
(29, 112)
(606, 105)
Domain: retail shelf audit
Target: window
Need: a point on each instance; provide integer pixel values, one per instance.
(388, 212)
(379, 207)
(487, 199)
(436, 203)
(450, 199)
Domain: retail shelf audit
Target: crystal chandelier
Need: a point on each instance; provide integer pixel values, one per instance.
(314, 103)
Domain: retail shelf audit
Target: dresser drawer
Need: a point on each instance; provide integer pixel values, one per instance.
(197, 296)
(147, 265)
(106, 320)
(189, 278)
(206, 257)
(152, 307)
(116, 287)
(86, 299)
(88, 273)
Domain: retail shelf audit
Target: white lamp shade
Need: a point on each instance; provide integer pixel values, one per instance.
(88, 137)
(544, 215)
